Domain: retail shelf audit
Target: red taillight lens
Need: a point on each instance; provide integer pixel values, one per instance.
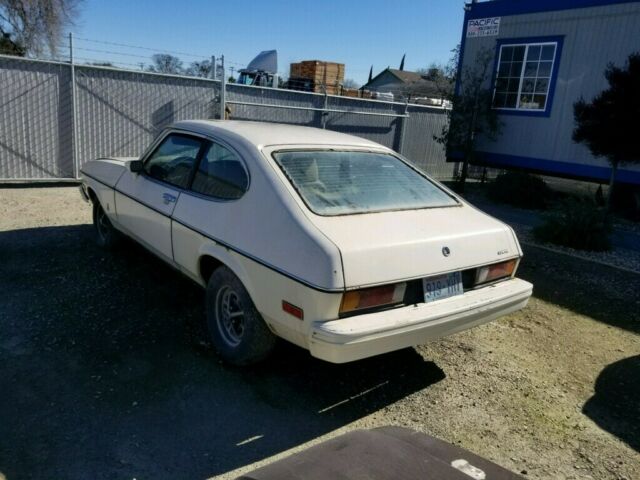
(495, 271)
(372, 297)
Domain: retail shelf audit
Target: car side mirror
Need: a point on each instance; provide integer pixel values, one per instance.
(135, 166)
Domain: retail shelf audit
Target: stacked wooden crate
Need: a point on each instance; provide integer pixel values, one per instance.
(355, 92)
(327, 74)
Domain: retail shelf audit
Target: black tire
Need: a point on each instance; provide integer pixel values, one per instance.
(241, 340)
(107, 237)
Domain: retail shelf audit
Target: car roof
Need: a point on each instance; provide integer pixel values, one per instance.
(262, 134)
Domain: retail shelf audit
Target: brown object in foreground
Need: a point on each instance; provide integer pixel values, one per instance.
(387, 453)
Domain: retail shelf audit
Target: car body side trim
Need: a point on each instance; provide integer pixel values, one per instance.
(224, 244)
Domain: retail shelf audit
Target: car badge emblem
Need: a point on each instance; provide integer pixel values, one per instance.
(445, 251)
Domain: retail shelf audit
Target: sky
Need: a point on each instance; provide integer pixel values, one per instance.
(356, 33)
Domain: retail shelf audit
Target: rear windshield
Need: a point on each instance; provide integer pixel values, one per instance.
(340, 183)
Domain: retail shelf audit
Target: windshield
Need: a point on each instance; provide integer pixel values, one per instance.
(338, 183)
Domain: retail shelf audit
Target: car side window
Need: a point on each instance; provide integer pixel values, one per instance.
(220, 174)
(174, 159)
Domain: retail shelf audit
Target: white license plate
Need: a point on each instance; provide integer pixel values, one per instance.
(442, 286)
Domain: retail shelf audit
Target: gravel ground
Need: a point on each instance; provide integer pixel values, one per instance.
(622, 258)
(102, 374)
(523, 222)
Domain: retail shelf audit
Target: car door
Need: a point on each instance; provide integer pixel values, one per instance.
(212, 205)
(145, 201)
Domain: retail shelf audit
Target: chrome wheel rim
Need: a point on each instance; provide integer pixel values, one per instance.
(230, 316)
(102, 223)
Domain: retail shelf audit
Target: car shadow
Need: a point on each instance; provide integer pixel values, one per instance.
(103, 374)
(615, 406)
(601, 292)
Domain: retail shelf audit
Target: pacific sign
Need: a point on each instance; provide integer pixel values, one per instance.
(483, 27)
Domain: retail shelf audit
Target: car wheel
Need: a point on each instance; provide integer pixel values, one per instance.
(106, 236)
(237, 330)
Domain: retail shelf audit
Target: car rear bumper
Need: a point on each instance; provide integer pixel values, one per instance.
(362, 336)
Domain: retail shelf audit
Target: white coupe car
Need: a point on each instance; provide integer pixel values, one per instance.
(332, 242)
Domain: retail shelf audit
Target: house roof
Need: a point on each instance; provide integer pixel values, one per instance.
(410, 82)
(404, 75)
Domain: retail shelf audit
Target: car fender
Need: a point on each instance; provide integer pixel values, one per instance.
(230, 259)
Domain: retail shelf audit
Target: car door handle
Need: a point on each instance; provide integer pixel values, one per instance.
(168, 198)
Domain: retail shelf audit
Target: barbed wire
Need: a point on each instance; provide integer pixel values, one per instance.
(63, 55)
(149, 49)
(118, 58)
(146, 57)
(98, 61)
(157, 50)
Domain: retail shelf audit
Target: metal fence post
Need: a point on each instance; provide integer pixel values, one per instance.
(325, 114)
(74, 130)
(403, 127)
(223, 87)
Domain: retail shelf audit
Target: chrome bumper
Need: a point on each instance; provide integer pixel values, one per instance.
(362, 336)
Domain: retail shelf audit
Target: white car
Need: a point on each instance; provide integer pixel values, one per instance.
(332, 242)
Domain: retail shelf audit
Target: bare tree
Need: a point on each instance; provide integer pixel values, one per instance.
(165, 63)
(472, 115)
(451, 68)
(443, 76)
(433, 71)
(350, 83)
(35, 26)
(440, 83)
(200, 69)
(203, 69)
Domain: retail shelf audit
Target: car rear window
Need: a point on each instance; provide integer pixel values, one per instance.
(340, 183)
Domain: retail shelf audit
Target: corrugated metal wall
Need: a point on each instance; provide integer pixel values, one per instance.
(593, 37)
(35, 120)
(118, 112)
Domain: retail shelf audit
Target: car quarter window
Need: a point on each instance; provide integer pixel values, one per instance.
(174, 159)
(220, 174)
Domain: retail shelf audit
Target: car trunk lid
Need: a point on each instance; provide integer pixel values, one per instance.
(386, 247)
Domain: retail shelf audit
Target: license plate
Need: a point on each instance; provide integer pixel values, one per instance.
(442, 286)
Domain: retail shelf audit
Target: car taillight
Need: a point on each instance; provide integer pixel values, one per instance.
(355, 300)
(495, 271)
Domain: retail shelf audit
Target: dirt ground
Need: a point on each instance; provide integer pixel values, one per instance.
(103, 376)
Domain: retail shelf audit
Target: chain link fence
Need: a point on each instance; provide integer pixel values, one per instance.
(55, 116)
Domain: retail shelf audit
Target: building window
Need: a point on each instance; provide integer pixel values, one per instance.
(524, 76)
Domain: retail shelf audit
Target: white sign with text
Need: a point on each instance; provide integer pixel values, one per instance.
(483, 27)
